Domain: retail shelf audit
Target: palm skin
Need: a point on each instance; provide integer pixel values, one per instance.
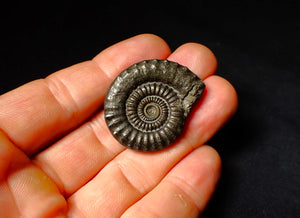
(58, 159)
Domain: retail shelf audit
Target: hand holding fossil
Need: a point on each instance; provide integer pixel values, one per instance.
(58, 158)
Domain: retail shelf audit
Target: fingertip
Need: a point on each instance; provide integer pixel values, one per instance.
(204, 159)
(226, 92)
(150, 40)
(149, 37)
(121, 55)
(201, 170)
(197, 57)
(234, 96)
(217, 105)
(211, 159)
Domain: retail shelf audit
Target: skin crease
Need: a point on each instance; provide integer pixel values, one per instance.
(58, 159)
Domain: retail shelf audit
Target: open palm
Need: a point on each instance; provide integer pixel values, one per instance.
(57, 157)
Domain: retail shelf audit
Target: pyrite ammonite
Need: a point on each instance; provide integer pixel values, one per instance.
(147, 104)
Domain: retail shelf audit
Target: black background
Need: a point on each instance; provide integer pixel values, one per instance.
(257, 47)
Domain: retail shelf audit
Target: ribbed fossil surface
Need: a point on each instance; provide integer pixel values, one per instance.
(147, 104)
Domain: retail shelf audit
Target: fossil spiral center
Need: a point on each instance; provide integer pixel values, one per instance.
(151, 111)
(148, 113)
(147, 108)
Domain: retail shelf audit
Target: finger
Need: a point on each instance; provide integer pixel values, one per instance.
(27, 190)
(186, 189)
(83, 153)
(131, 175)
(197, 57)
(8, 206)
(220, 102)
(38, 112)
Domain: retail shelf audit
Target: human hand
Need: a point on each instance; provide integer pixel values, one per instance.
(58, 158)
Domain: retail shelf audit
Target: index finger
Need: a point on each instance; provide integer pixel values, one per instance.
(39, 112)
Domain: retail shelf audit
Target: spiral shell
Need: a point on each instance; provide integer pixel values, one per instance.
(147, 104)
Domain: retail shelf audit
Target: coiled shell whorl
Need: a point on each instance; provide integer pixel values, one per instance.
(147, 104)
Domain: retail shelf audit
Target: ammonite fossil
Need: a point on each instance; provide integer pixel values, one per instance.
(147, 104)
